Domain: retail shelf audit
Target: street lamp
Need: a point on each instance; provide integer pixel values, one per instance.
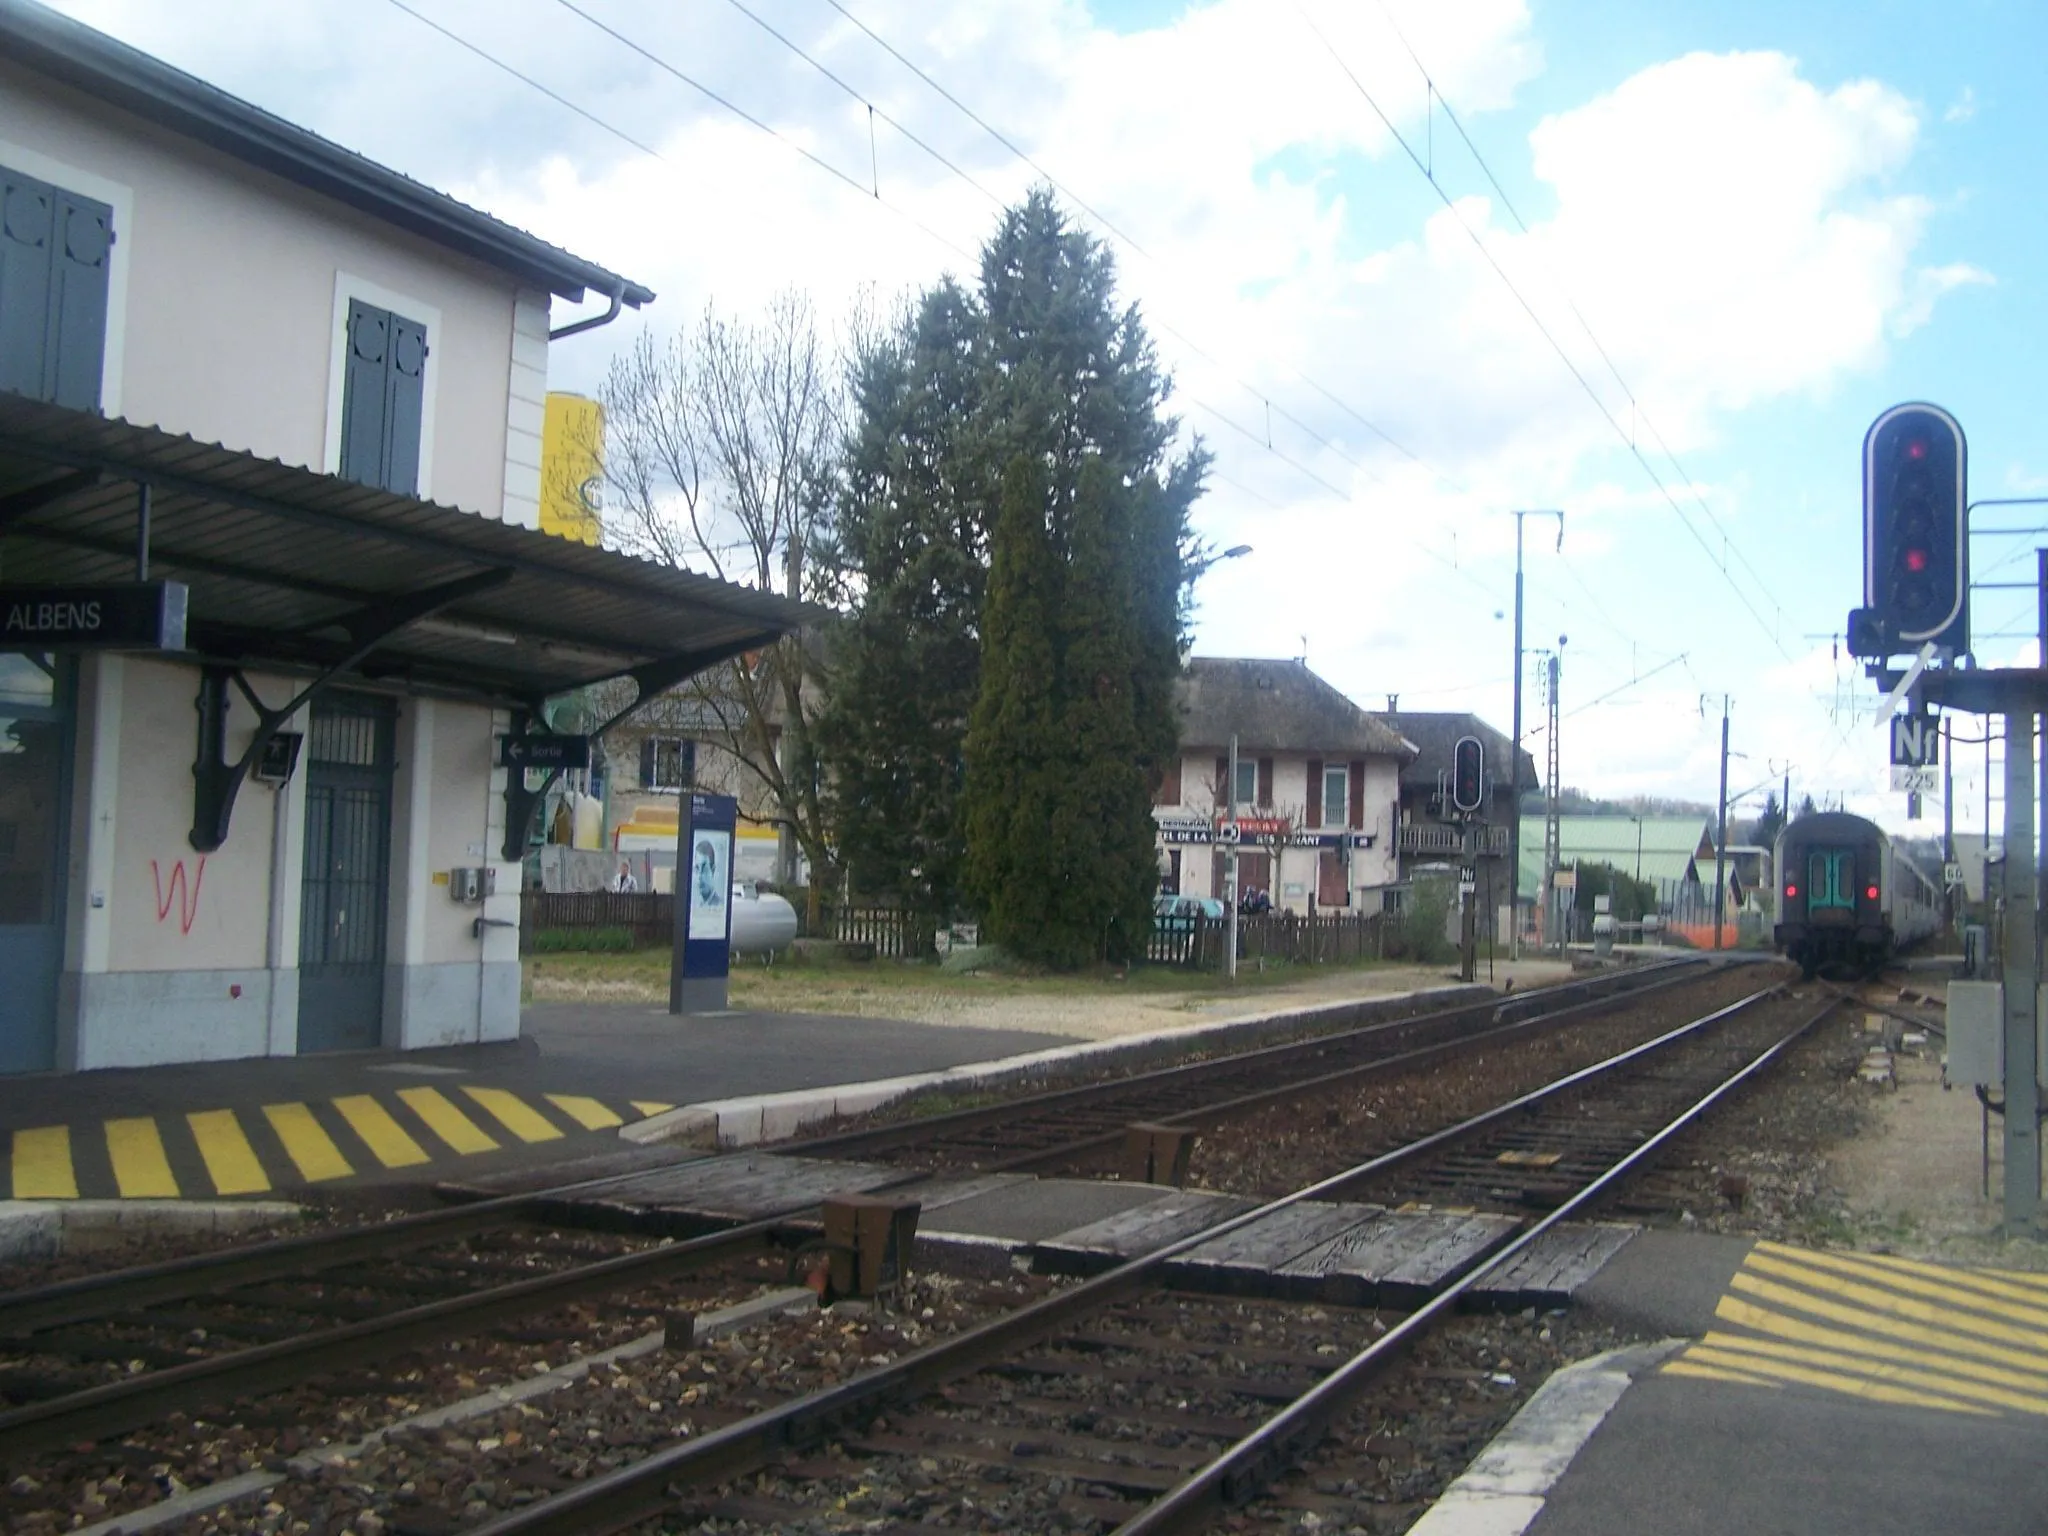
(1639, 848)
(1236, 551)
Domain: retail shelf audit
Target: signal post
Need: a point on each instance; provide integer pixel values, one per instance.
(1468, 796)
(1916, 594)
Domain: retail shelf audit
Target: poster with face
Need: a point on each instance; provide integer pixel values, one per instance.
(710, 883)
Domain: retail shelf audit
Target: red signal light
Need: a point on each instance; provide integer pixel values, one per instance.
(1916, 560)
(1915, 448)
(1791, 891)
(1871, 892)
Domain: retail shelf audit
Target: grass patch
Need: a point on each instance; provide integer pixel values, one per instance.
(815, 983)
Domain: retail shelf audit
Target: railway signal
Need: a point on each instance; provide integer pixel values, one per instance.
(1916, 538)
(1468, 775)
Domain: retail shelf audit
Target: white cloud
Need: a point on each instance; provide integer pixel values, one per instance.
(1963, 108)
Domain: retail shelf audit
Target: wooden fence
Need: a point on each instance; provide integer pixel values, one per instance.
(649, 917)
(1328, 938)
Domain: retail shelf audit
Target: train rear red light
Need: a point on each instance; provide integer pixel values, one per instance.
(1791, 890)
(1870, 891)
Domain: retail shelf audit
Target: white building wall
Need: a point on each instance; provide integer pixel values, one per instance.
(224, 289)
(174, 955)
(446, 983)
(526, 408)
(171, 950)
(1370, 868)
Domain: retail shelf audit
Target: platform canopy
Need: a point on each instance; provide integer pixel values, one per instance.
(307, 572)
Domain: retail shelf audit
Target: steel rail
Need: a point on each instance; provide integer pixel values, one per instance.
(1260, 1098)
(92, 1296)
(88, 1297)
(1239, 1473)
(626, 1495)
(131, 1402)
(1632, 983)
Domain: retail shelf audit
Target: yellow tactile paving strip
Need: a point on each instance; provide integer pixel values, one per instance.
(1887, 1330)
(199, 1154)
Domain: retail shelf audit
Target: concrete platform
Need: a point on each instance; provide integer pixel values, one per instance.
(577, 1077)
(1804, 1391)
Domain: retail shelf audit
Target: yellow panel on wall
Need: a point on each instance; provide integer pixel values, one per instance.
(571, 480)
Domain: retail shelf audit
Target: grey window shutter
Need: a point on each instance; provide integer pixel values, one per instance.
(78, 301)
(362, 394)
(54, 251)
(27, 227)
(383, 399)
(404, 400)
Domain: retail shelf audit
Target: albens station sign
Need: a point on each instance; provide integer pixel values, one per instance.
(131, 616)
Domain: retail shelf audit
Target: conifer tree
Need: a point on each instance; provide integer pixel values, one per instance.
(1014, 751)
(1080, 644)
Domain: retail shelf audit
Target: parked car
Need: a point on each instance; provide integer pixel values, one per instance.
(1177, 914)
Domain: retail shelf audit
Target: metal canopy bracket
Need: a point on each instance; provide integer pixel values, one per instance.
(216, 781)
(652, 679)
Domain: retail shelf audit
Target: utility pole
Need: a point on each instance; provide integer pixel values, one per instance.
(1515, 754)
(1721, 833)
(2021, 975)
(2041, 728)
(1948, 823)
(1230, 871)
(1553, 839)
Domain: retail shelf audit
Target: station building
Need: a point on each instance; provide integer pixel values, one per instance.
(273, 590)
(1317, 795)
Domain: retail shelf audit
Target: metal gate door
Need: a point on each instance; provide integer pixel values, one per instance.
(347, 877)
(35, 743)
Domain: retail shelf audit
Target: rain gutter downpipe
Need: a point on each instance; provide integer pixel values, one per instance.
(618, 297)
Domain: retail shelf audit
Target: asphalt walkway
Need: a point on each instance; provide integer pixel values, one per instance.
(578, 1074)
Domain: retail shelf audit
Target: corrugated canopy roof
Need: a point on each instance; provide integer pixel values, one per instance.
(280, 560)
(1669, 844)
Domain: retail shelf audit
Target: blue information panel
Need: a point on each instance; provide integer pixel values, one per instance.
(703, 905)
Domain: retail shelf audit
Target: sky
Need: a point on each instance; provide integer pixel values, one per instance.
(1414, 264)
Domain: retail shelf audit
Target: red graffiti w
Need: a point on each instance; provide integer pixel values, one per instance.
(187, 899)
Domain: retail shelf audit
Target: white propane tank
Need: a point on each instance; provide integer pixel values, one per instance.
(761, 921)
(1603, 925)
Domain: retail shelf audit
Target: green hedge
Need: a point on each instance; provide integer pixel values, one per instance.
(582, 940)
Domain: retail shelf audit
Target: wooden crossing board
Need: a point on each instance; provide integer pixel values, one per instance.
(1244, 1262)
(740, 1187)
(1398, 1258)
(1104, 1244)
(1552, 1269)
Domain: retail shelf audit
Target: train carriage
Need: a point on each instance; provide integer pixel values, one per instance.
(1846, 899)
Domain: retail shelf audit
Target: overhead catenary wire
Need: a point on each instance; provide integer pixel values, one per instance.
(1529, 309)
(1637, 413)
(866, 193)
(1117, 232)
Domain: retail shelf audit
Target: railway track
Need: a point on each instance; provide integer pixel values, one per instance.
(1091, 1408)
(193, 1335)
(1069, 1127)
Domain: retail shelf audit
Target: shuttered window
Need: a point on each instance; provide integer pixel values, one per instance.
(383, 394)
(1313, 816)
(667, 763)
(55, 249)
